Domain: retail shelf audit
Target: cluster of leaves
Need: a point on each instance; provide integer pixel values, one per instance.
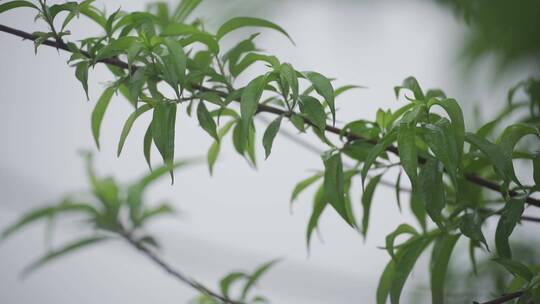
(233, 279)
(161, 62)
(111, 210)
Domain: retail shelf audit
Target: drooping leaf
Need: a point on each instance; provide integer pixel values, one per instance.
(319, 203)
(407, 150)
(250, 100)
(383, 289)
(287, 71)
(440, 258)
(206, 121)
(390, 239)
(456, 115)
(432, 191)
(418, 209)
(251, 58)
(334, 186)
(61, 252)
(367, 198)
(239, 22)
(129, 123)
(411, 84)
(513, 134)
(4, 7)
(323, 86)
(440, 139)
(99, 111)
(226, 283)
(405, 260)
(303, 184)
(313, 110)
(147, 145)
(81, 73)
(471, 227)
(270, 134)
(163, 131)
(516, 268)
(507, 222)
(214, 148)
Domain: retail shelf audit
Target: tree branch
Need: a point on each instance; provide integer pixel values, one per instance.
(478, 180)
(505, 298)
(173, 272)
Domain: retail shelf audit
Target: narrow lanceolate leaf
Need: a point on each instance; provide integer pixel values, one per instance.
(289, 74)
(129, 123)
(15, 4)
(314, 111)
(163, 125)
(257, 274)
(99, 111)
(471, 227)
(61, 252)
(408, 155)
(81, 73)
(405, 260)
(239, 22)
(377, 150)
(383, 289)
(516, 268)
(334, 186)
(323, 86)
(432, 189)
(226, 283)
(270, 134)
(213, 152)
(502, 163)
(303, 184)
(367, 198)
(513, 134)
(390, 239)
(147, 146)
(507, 222)
(411, 84)
(174, 64)
(456, 115)
(440, 258)
(206, 121)
(418, 209)
(319, 203)
(250, 100)
(440, 139)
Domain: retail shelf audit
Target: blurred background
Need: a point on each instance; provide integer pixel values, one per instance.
(239, 217)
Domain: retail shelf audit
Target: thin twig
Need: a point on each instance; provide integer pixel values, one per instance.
(478, 180)
(173, 272)
(505, 298)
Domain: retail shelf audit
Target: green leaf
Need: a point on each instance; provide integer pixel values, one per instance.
(239, 22)
(383, 289)
(516, 268)
(81, 73)
(184, 9)
(536, 169)
(418, 209)
(116, 47)
(213, 152)
(270, 134)
(206, 121)
(303, 184)
(440, 139)
(206, 39)
(411, 84)
(407, 150)
(151, 213)
(334, 186)
(147, 145)
(174, 64)
(367, 198)
(251, 58)
(250, 100)
(406, 258)
(239, 139)
(314, 111)
(440, 258)
(44, 213)
(228, 280)
(62, 251)
(323, 86)
(513, 134)
(16, 4)
(346, 88)
(128, 124)
(471, 227)
(163, 131)
(377, 150)
(319, 203)
(255, 276)
(502, 163)
(456, 115)
(510, 216)
(432, 189)
(99, 111)
(287, 71)
(390, 239)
